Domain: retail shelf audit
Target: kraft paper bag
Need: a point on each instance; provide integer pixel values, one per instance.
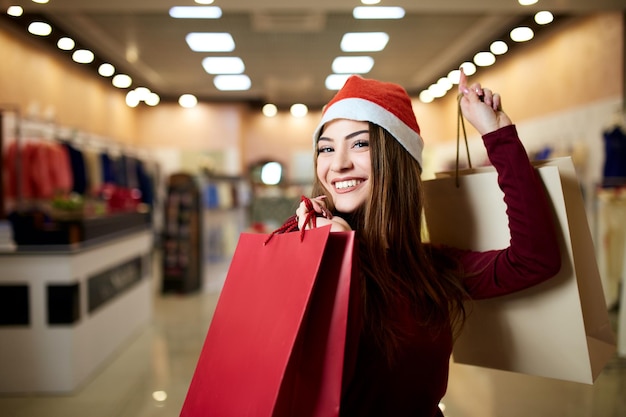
(276, 343)
(558, 329)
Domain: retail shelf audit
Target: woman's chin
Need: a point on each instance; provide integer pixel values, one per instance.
(347, 206)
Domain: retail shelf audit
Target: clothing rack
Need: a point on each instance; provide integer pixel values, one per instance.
(31, 130)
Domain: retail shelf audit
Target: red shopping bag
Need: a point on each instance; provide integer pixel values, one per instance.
(277, 340)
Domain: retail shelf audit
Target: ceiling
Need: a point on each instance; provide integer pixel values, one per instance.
(288, 45)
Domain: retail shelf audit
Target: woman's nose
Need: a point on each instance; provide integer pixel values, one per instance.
(341, 161)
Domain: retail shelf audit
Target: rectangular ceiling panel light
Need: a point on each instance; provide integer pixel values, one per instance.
(196, 12)
(352, 64)
(210, 42)
(378, 12)
(223, 65)
(364, 41)
(232, 82)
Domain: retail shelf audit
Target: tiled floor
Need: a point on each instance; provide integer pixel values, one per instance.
(149, 377)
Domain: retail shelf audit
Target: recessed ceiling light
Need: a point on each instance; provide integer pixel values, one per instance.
(378, 12)
(83, 56)
(66, 44)
(544, 17)
(270, 110)
(40, 28)
(298, 110)
(364, 41)
(232, 82)
(352, 64)
(437, 91)
(484, 59)
(132, 98)
(445, 83)
(454, 76)
(122, 81)
(426, 97)
(187, 101)
(15, 11)
(498, 47)
(210, 41)
(527, 2)
(468, 68)
(522, 34)
(204, 1)
(106, 70)
(195, 12)
(223, 65)
(143, 93)
(40, 1)
(153, 99)
(336, 81)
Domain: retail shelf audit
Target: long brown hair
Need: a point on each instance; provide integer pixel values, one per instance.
(396, 266)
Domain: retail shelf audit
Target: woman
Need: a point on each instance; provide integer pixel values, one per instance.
(368, 164)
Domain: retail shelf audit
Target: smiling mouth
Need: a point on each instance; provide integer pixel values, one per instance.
(340, 185)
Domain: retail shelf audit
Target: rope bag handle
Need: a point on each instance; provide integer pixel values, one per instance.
(291, 224)
(460, 125)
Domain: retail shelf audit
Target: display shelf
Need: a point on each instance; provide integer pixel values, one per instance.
(182, 241)
(66, 310)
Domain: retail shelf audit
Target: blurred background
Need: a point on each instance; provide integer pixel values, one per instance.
(140, 138)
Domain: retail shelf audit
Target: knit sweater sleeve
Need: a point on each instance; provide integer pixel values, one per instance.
(533, 254)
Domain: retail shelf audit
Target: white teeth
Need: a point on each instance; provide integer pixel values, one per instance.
(345, 184)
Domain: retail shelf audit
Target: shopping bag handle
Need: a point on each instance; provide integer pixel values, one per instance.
(291, 224)
(460, 124)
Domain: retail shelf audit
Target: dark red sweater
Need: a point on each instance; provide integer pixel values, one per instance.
(416, 382)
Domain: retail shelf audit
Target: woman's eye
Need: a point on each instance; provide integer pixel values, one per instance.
(324, 149)
(362, 144)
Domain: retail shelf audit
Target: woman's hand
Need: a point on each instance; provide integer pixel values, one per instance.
(337, 224)
(481, 107)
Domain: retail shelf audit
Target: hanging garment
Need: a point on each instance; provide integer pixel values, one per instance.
(77, 162)
(108, 173)
(39, 171)
(614, 156)
(93, 167)
(145, 183)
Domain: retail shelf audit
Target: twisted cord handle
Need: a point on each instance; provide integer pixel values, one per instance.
(291, 224)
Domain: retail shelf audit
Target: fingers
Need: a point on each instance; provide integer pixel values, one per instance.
(475, 93)
(315, 204)
(462, 82)
(319, 205)
(492, 99)
(487, 97)
(497, 102)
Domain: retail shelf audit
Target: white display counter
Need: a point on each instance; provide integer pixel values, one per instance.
(70, 309)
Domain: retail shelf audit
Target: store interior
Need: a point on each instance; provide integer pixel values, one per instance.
(118, 224)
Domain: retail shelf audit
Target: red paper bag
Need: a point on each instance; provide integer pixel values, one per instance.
(276, 343)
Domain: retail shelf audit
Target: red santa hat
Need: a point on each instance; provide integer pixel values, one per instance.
(386, 104)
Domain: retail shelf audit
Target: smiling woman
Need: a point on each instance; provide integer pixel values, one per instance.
(369, 165)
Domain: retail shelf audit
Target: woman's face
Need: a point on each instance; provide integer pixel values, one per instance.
(343, 162)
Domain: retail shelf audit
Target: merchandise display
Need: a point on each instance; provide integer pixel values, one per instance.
(61, 191)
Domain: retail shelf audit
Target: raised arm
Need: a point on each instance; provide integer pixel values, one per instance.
(533, 254)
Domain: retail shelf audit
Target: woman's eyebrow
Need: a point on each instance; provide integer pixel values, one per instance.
(357, 133)
(349, 136)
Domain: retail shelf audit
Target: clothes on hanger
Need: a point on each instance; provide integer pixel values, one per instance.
(614, 169)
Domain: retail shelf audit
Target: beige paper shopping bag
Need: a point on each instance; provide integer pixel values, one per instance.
(558, 329)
